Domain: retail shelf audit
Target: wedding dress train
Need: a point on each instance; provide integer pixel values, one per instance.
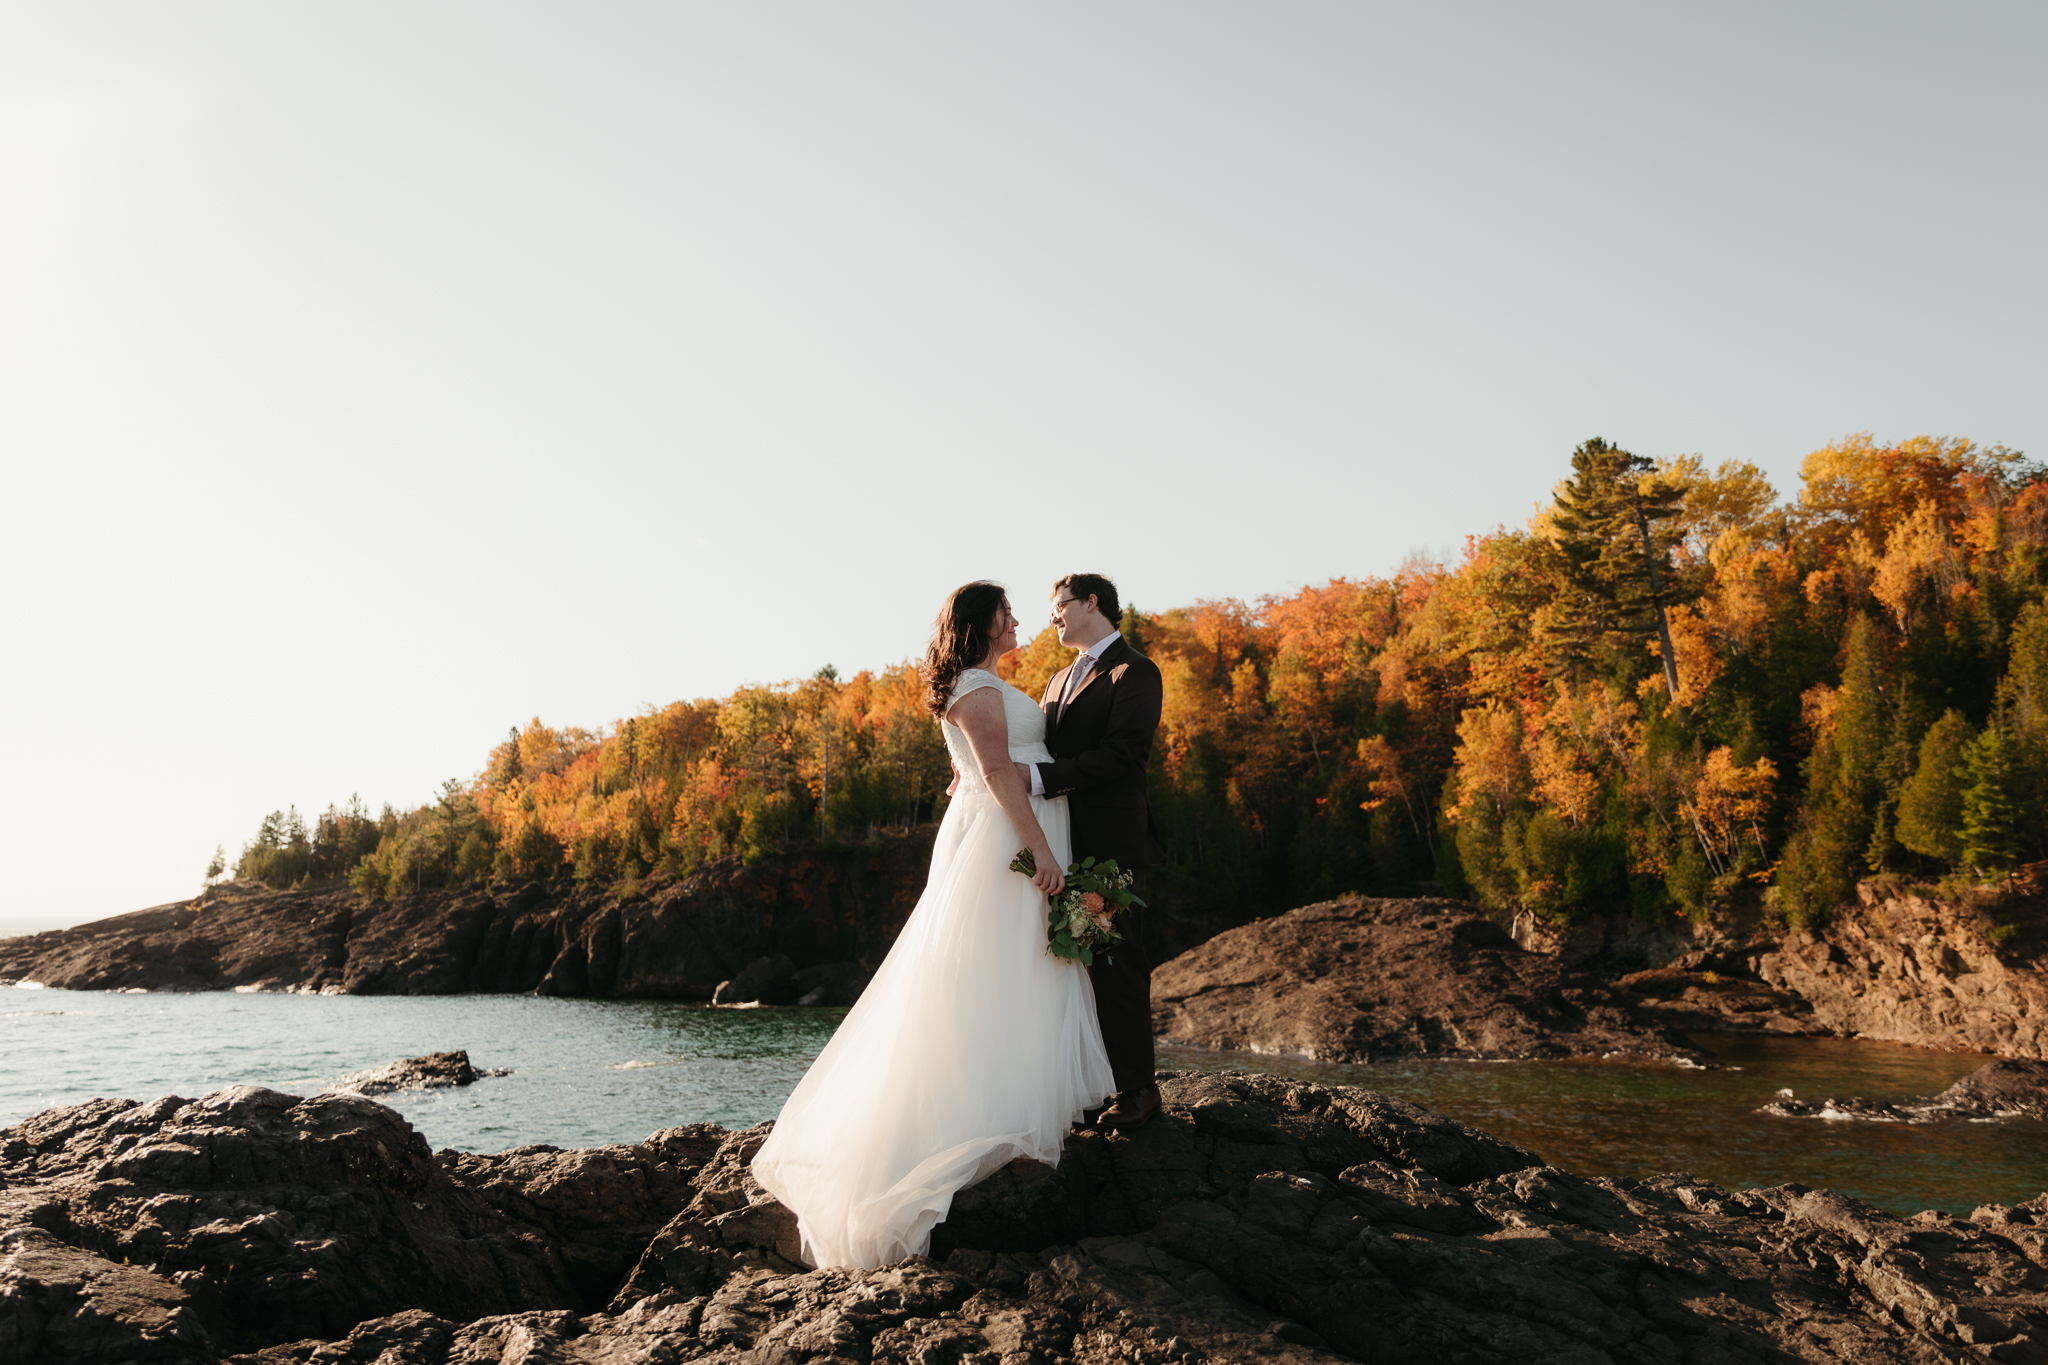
(972, 1045)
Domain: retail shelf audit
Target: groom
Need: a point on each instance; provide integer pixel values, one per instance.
(1100, 712)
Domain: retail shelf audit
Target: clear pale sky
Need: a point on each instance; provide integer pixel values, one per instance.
(374, 377)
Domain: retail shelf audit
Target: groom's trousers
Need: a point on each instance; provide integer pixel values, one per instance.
(1123, 999)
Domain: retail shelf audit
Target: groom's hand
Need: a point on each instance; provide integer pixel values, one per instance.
(1024, 771)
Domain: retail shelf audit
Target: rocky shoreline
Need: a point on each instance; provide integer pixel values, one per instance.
(1359, 979)
(1906, 968)
(1259, 1219)
(816, 921)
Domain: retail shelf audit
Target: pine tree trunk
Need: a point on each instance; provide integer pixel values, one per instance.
(1657, 605)
(1670, 655)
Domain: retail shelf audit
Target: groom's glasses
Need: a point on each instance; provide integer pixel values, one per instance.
(1060, 606)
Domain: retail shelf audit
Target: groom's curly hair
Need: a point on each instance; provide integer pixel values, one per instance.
(960, 640)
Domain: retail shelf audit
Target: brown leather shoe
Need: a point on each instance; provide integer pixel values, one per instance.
(1131, 1109)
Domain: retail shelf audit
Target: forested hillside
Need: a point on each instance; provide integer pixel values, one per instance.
(1672, 692)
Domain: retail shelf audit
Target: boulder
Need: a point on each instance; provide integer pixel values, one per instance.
(278, 1217)
(430, 1072)
(1364, 980)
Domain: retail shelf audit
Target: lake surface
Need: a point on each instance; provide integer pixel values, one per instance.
(593, 1071)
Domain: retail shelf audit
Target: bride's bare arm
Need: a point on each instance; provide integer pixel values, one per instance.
(980, 714)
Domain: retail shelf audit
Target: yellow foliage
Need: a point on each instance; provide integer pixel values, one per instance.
(1490, 759)
(1564, 782)
(1918, 550)
(1729, 803)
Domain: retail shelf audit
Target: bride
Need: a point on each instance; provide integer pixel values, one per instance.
(972, 1046)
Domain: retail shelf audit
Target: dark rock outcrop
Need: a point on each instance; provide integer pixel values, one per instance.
(833, 911)
(1257, 1219)
(2002, 1091)
(263, 1214)
(431, 1072)
(1904, 968)
(1362, 980)
(1708, 993)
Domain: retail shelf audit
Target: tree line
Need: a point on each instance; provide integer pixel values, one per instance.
(1672, 692)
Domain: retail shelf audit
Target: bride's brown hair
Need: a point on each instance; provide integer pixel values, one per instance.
(960, 640)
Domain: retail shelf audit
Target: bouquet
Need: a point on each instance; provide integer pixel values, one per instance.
(1079, 922)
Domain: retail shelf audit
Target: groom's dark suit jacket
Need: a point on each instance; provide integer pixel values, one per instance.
(1099, 748)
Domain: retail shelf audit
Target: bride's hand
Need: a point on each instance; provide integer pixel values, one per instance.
(1048, 878)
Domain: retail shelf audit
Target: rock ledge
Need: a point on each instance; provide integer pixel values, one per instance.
(1258, 1219)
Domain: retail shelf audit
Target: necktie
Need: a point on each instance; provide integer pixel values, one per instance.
(1074, 676)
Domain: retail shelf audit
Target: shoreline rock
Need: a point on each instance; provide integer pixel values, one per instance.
(1256, 1219)
(2003, 1091)
(831, 913)
(431, 1072)
(807, 929)
(1903, 968)
(1707, 993)
(1367, 980)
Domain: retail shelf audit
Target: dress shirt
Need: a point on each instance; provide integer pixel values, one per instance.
(1083, 666)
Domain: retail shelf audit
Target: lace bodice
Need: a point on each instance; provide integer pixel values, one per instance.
(1027, 728)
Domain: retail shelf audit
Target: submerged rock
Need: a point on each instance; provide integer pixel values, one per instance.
(1998, 1092)
(433, 1071)
(1362, 980)
(1257, 1219)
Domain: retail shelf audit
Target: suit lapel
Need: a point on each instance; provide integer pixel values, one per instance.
(1108, 661)
(1053, 710)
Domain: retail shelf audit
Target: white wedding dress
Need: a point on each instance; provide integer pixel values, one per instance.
(972, 1045)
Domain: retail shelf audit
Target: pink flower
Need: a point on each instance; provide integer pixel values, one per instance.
(1093, 900)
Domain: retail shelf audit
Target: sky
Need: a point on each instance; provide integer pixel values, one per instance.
(377, 376)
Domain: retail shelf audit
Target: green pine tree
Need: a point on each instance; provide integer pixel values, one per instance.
(1931, 806)
(1993, 812)
(1614, 534)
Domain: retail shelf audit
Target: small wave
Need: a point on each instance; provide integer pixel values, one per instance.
(31, 1014)
(636, 1066)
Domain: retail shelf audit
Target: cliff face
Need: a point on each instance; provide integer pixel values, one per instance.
(678, 941)
(1912, 970)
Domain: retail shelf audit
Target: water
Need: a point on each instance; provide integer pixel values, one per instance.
(1634, 1119)
(594, 1071)
(583, 1071)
